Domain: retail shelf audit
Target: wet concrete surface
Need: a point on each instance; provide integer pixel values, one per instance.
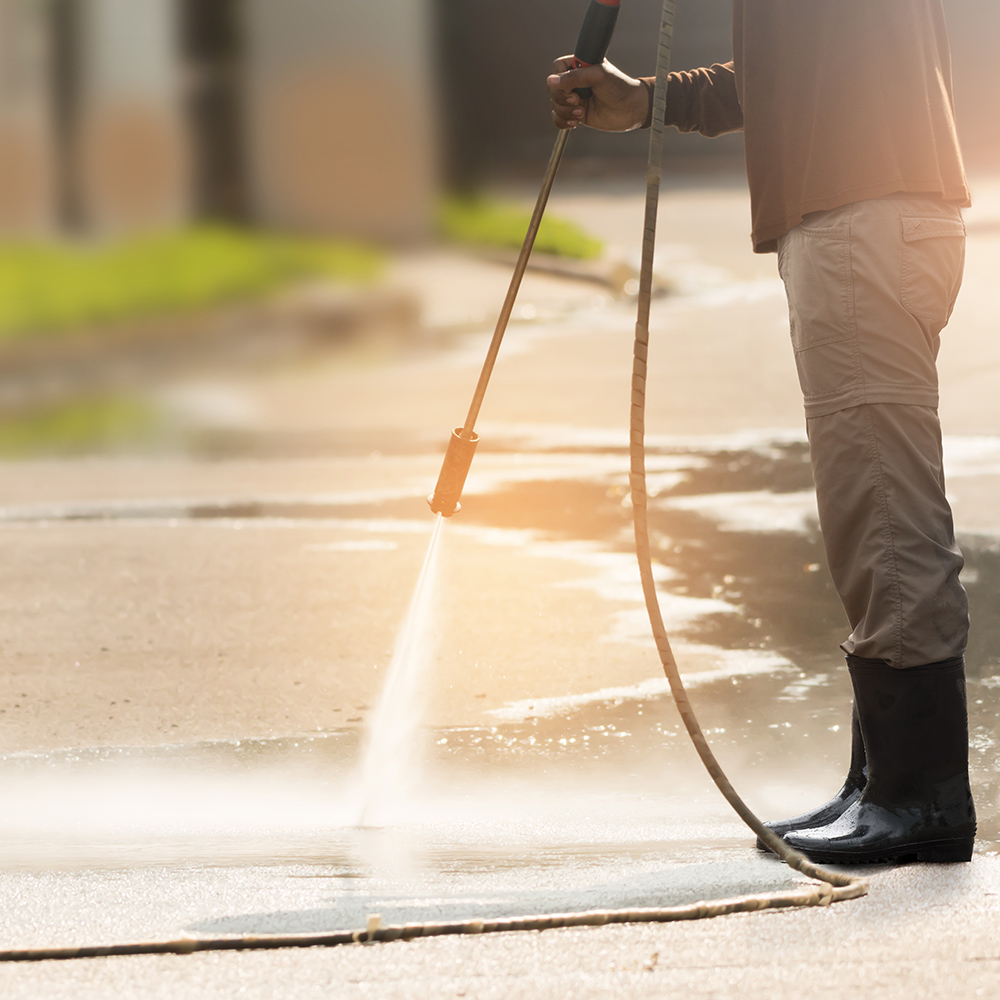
(559, 804)
(196, 644)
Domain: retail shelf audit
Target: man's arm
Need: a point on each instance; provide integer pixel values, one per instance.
(701, 100)
(704, 100)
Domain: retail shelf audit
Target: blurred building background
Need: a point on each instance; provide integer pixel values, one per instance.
(323, 115)
(121, 115)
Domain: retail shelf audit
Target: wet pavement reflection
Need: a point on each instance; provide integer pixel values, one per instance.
(587, 790)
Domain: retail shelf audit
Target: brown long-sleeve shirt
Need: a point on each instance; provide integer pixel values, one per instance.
(839, 100)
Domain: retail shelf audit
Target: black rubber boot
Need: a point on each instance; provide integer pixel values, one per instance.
(857, 775)
(916, 805)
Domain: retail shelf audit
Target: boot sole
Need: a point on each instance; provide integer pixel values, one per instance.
(932, 852)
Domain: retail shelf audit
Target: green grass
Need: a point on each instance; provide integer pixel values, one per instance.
(50, 288)
(487, 223)
(78, 427)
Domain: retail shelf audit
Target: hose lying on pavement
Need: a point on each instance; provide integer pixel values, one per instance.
(376, 931)
(833, 886)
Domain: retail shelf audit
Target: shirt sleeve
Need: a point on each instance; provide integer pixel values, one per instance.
(704, 100)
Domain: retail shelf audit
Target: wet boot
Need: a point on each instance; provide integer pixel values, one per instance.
(857, 775)
(916, 805)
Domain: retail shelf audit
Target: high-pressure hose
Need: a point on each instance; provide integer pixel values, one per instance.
(445, 500)
(844, 887)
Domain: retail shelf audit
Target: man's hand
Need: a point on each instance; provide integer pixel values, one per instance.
(618, 102)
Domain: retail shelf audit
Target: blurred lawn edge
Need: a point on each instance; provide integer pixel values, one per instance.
(84, 330)
(78, 426)
(482, 222)
(55, 289)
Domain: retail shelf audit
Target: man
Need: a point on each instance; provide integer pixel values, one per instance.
(856, 181)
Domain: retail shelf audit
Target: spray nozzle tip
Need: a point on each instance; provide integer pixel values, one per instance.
(443, 507)
(451, 481)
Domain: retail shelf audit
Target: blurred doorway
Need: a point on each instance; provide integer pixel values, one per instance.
(212, 48)
(66, 83)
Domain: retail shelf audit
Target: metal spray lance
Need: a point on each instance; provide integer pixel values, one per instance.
(591, 48)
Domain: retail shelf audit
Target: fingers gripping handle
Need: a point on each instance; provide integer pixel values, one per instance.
(595, 36)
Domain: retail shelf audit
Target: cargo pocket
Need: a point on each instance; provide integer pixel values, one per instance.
(815, 263)
(933, 261)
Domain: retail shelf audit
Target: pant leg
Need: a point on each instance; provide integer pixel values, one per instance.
(870, 287)
(887, 527)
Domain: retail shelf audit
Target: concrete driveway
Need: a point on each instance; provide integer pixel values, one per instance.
(195, 641)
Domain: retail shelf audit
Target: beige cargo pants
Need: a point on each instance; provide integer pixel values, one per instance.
(870, 286)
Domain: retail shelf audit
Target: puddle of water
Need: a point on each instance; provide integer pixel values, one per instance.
(614, 778)
(609, 777)
(495, 798)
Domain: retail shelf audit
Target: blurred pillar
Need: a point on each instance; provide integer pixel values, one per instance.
(27, 169)
(340, 115)
(212, 53)
(131, 146)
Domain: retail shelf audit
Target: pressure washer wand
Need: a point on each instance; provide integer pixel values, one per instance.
(591, 48)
